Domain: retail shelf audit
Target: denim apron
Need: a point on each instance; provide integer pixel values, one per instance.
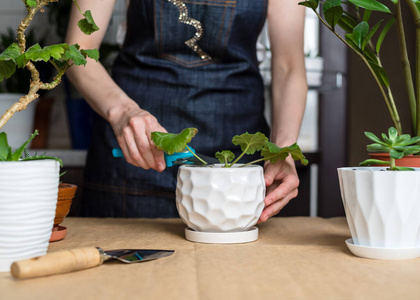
(190, 64)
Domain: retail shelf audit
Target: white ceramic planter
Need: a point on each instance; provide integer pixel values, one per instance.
(20, 127)
(382, 207)
(217, 199)
(28, 199)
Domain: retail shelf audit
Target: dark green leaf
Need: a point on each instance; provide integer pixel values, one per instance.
(74, 54)
(87, 25)
(225, 156)
(171, 142)
(347, 23)
(366, 15)
(380, 73)
(92, 53)
(351, 41)
(4, 147)
(396, 154)
(333, 15)
(371, 4)
(383, 34)
(310, 3)
(370, 162)
(7, 69)
(250, 143)
(370, 35)
(273, 153)
(360, 32)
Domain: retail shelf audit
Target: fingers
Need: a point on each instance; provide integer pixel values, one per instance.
(275, 207)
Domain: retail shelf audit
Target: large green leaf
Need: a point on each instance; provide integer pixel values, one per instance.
(92, 53)
(310, 3)
(374, 138)
(87, 25)
(36, 53)
(371, 5)
(10, 53)
(332, 12)
(360, 32)
(171, 142)
(73, 53)
(250, 143)
(273, 153)
(383, 34)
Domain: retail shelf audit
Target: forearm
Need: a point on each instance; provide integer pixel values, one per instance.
(289, 91)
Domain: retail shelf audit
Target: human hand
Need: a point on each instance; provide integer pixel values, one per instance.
(282, 183)
(133, 127)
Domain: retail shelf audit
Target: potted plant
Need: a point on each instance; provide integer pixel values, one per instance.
(220, 203)
(29, 185)
(380, 203)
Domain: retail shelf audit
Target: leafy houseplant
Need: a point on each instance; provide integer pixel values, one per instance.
(29, 185)
(366, 39)
(215, 199)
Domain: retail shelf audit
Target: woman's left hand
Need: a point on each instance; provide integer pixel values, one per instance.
(282, 183)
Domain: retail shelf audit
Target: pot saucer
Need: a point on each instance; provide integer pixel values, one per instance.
(383, 253)
(222, 237)
(58, 233)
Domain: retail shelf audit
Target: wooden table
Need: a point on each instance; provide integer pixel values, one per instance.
(294, 258)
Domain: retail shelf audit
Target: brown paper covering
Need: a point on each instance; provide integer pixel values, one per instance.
(294, 258)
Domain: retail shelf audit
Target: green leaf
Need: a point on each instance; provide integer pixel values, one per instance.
(225, 156)
(374, 138)
(18, 153)
(380, 73)
(4, 147)
(7, 69)
(370, 162)
(10, 53)
(171, 142)
(403, 140)
(74, 54)
(366, 15)
(92, 53)
(377, 148)
(396, 154)
(392, 133)
(383, 34)
(347, 23)
(402, 169)
(36, 53)
(386, 139)
(371, 5)
(413, 140)
(310, 3)
(250, 143)
(87, 25)
(333, 12)
(370, 35)
(273, 153)
(360, 32)
(31, 3)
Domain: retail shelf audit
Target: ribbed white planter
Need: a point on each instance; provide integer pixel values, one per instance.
(28, 199)
(20, 127)
(382, 207)
(216, 199)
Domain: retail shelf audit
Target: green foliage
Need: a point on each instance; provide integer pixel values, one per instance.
(249, 143)
(396, 145)
(171, 142)
(87, 25)
(6, 153)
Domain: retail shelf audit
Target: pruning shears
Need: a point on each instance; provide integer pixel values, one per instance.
(178, 158)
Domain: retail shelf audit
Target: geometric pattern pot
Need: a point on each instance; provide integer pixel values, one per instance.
(28, 199)
(217, 199)
(382, 207)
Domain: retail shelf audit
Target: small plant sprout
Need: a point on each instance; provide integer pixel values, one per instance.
(396, 145)
(249, 143)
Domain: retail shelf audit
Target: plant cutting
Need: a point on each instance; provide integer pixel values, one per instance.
(221, 203)
(29, 185)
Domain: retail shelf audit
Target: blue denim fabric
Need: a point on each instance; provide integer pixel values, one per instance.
(221, 97)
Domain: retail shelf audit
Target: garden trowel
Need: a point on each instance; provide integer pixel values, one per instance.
(78, 259)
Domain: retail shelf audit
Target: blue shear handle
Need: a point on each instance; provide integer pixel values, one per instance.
(169, 159)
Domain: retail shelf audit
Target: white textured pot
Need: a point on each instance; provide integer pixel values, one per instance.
(382, 207)
(28, 199)
(20, 127)
(217, 199)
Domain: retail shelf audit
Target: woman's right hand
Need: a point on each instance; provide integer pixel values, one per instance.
(133, 127)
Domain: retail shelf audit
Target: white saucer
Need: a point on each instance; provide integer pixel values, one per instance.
(222, 237)
(383, 253)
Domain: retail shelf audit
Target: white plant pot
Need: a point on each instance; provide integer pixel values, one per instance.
(28, 199)
(382, 207)
(216, 199)
(20, 127)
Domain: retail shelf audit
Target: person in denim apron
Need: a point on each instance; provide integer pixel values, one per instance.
(186, 64)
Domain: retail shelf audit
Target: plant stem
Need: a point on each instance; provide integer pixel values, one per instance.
(392, 163)
(199, 158)
(406, 68)
(389, 102)
(238, 158)
(416, 17)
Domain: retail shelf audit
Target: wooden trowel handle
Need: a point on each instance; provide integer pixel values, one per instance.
(58, 262)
